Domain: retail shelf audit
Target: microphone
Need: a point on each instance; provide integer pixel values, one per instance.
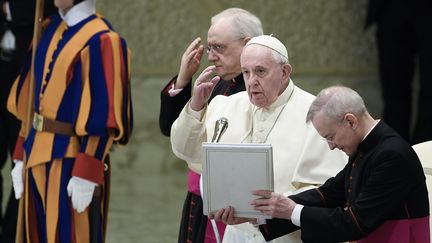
(220, 127)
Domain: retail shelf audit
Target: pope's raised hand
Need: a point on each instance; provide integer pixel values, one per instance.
(203, 88)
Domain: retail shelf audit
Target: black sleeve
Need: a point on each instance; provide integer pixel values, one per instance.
(275, 228)
(172, 106)
(385, 185)
(329, 195)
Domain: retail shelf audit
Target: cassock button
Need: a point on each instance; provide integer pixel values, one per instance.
(349, 190)
(350, 177)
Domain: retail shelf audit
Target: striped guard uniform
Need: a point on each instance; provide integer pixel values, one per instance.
(82, 78)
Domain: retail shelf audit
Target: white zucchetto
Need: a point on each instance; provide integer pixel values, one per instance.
(270, 42)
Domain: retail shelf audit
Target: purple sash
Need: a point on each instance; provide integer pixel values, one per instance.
(403, 231)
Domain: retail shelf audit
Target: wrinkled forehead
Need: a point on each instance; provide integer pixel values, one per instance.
(256, 55)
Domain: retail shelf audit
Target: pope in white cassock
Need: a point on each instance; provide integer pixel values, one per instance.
(271, 110)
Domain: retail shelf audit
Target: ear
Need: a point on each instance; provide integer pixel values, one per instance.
(246, 40)
(286, 71)
(351, 119)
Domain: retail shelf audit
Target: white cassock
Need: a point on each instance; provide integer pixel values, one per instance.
(301, 158)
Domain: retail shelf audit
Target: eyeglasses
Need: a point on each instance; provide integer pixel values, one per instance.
(217, 48)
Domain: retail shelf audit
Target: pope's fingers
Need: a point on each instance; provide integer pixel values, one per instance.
(203, 77)
(208, 69)
(224, 216)
(218, 215)
(228, 215)
(215, 79)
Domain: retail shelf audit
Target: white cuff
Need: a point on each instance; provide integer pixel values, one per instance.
(295, 216)
(195, 114)
(173, 91)
(260, 221)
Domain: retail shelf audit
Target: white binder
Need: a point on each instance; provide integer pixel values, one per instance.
(231, 172)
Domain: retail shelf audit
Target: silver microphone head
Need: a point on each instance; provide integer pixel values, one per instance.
(220, 127)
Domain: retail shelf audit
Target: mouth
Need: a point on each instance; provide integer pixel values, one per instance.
(255, 93)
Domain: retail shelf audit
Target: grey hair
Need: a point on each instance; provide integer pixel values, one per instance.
(279, 58)
(244, 23)
(335, 102)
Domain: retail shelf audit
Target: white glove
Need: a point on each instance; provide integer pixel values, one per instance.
(17, 178)
(81, 191)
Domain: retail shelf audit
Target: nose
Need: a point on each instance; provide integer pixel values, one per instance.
(252, 81)
(331, 145)
(211, 56)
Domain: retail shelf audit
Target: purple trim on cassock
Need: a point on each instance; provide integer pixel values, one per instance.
(403, 231)
(194, 183)
(194, 187)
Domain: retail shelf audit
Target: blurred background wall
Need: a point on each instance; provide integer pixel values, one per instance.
(327, 44)
(322, 37)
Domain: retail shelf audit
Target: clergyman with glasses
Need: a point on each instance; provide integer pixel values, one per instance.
(229, 31)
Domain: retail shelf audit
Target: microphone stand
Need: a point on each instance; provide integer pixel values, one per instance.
(220, 127)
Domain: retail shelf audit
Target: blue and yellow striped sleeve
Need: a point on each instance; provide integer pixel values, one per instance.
(105, 113)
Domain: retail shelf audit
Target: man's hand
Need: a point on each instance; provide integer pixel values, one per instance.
(226, 215)
(273, 204)
(203, 88)
(190, 63)
(17, 178)
(81, 191)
